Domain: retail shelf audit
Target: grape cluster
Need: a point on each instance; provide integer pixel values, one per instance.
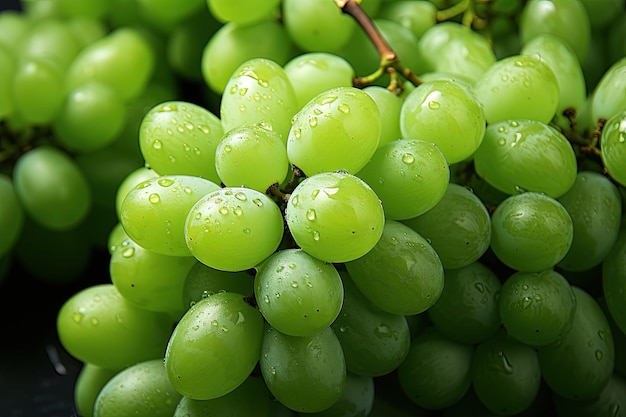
(392, 208)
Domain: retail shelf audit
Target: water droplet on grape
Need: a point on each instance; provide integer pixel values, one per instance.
(222, 210)
(266, 298)
(241, 196)
(501, 141)
(165, 182)
(242, 108)
(480, 287)
(344, 108)
(506, 365)
(238, 211)
(257, 202)
(128, 252)
(433, 105)
(157, 144)
(599, 355)
(94, 321)
(272, 370)
(294, 284)
(243, 91)
(246, 231)
(316, 235)
(313, 121)
(408, 158)
(328, 99)
(331, 191)
(601, 334)
(214, 323)
(314, 194)
(227, 148)
(310, 214)
(526, 302)
(154, 198)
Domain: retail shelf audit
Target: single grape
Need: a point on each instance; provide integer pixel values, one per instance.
(38, 92)
(203, 281)
(89, 382)
(613, 147)
(606, 98)
(389, 106)
(133, 179)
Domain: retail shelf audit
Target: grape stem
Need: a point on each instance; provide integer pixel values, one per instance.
(389, 62)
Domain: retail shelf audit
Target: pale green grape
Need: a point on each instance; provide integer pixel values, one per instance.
(38, 92)
(316, 25)
(417, 16)
(531, 232)
(51, 188)
(123, 60)
(446, 113)
(595, 205)
(14, 27)
(117, 235)
(179, 138)
(233, 228)
(520, 155)
(11, 216)
(154, 212)
(374, 342)
(51, 40)
(312, 73)
(242, 11)
(563, 18)
(298, 294)
(7, 71)
(86, 30)
(234, 44)
(259, 91)
(357, 399)
(335, 216)
(402, 274)
(410, 177)
(389, 106)
(436, 371)
(607, 100)
(203, 281)
(338, 129)
(89, 382)
(613, 147)
(165, 13)
(251, 156)
(614, 280)
(234, 331)
(467, 310)
(97, 325)
(306, 374)
(90, 118)
(133, 179)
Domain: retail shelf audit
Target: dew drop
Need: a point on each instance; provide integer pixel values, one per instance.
(272, 370)
(157, 144)
(165, 182)
(314, 194)
(294, 284)
(266, 299)
(328, 99)
(480, 287)
(257, 202)
(243, 91)
(94, 321)
(408, 158)
(344, 108)
(77, 317)
(246, 231)
(310, 214)
(526, 302)
(433, 105)
(222, 210)
(316, 235)
(501, 141)
(330, 191)
(599, 355)
(241, 196)
(238, 211)
(313, 121)
(214, 323)
(297, 133)
(227, 148)
(154, 198)
(128, 252)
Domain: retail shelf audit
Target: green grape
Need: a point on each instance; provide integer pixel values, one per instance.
(454, 49)
(90, 118)
(7, 72)
(179, 138)
(518, 87)
(97, 325)
(614, 280)
(505, 374)
(154, 212)
(595, 206)
(557, 17)
(531, 232)
(374, 342)
(148, 279)
(401, 274)
(96, 9)
(233, 228)
(537, 308)
(610, 401)
(446, 113)
(338, 129)
(37, 90)
(259, 91)
(164, 14)
(458, 227)
(410, 176)
(11, 216)
(234, 44)
(467, 310)
(560, 57)
(312, 73)
(51, 40)
(417, 16)
(306, 374)
(251, 398)
(520, 155)
(389, 106)
(89, 382)
(86, 30)
(436, 371)
(117, 235)
(14, 28)
(490, 195)
(123, 60)
(619, 337)
(133, 179)
(234, 331)
(203, 281)
(51, 188)
(242, 11)
(607, 100)
(316, 25)
(251, 156)
(143, 389)
(298, 294)
(613, 147)
(357, 399)
(579, 366)
(335, 216)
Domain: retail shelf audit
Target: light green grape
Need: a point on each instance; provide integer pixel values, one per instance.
(531, 232)
(458, 227)
(233, 228)
(117, 235)
(259, 91)
(335, 216)
(51, 188)
(242, 11)
(298, 294)
(389, 106)
(520, 155)
(306, 374)
(14, 27)
(606, 99)
(133, 179)
(203, 281)
(179, 138)
(338, 129)
(401, 274)
(417, 16)
(251, 156)
(38, 92)
(89, 382)
(613, 147)
(446, 113)
(154, 212)
(227, 324)
(51, 40)
(312, 73)
(518, 87)
(11, 216)
(410, 176)
(98, 326)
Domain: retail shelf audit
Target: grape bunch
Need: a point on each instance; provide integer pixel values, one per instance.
(334, 208)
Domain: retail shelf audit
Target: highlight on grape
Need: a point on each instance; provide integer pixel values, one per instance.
(324, 208)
